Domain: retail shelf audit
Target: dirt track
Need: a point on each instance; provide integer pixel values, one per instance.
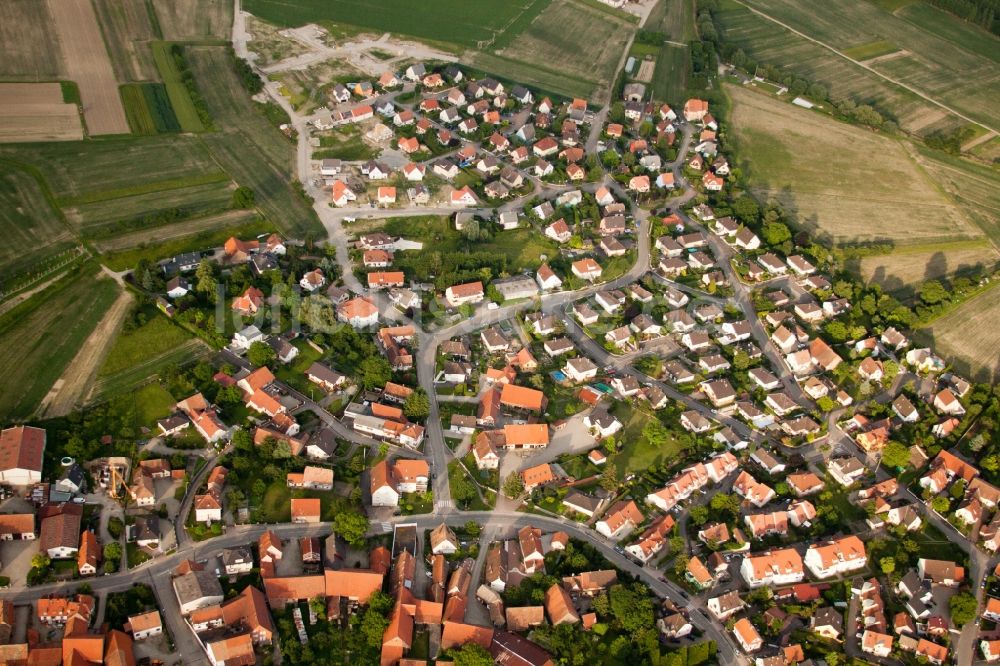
(88, 64)
(70, 388)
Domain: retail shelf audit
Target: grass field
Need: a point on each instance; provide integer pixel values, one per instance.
(969, 336)
(180, 98)
(670, 78)
(147, 106)
(185, 20)
(465, 22)
(28, 42)
(32, 228)
(950, 60)
(344, 143)
(974, 186)
(909, 266)
(636, 453)
(128, 29)
(553, 41)
(871, 50)
(674, 18)
(152, 402)
(248, 147)
(41, 336)
(836, 188)
(175, 231)
(168, 206)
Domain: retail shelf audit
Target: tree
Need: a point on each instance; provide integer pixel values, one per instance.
(776, 233)
(656, 433)
(933, 292)
(461, 488)
(40, 561)
(888, 565)
(609, 480)
(741, 360)
(243, 197)
(352, 526)
(205, 282)
(963, 608)
(472, 654)
(261, 354)
(941, 504)
(895, 454)
(631, 607)
(698, 514)
(374, 371)
(513, 485)
(113, 551)
(417, 405)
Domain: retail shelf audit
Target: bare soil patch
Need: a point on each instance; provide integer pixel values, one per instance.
(30, 51)
(36, 112)
(87, 62)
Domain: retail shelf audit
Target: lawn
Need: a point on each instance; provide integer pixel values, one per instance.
(136, 555)
(465, 22)
(344, 144)
(42, 335)
(293, 373)
(636, 453)
(152, 402)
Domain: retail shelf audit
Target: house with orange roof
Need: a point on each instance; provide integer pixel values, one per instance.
(359, 312)
(89, 556)
(747, 636)
(305, 510)
(525, 436)
(522, 398)
(460, 294)
(697, 574)
(772, 568)
(341, 194)
(836, 557)
(623, 517)
(559, 606)
(539, 475)
(239, 251)
(695, 110)
(248, 303)
(463, 197)
(144, 625)
(235, 650)
(878, 644)
(653, 539)
(587, 269)
(456, 634)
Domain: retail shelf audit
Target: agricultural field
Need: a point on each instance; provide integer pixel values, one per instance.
(835, 188)
(969, 336)
(147, 106)
(252, 151)
(86, 62)
(28, 42)
(975, 187)
(192, 20)
(670, 78)
(128, 29)
(907, 267)
(37, 112)
(553, 41)
(469, 23)
(769, 43)
(180, 98)
(958, 67)
(42, 335)
(172, 232)
(674, 18)
(167, 206)
(32, 229)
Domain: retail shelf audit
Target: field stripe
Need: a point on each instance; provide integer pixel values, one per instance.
(88, 64)
(144, 188)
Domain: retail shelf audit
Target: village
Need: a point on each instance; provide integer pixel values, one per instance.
(667, 422)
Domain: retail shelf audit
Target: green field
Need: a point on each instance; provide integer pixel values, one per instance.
(152, 402)
(39, 337)
(871, 50)
(344, 143)
(142, 352)
(147, 106)
(32, 228)
(144, 211)
(252, 151)
(128, 28)
(670, 78)
(951, 61)
(674, 18)
(177, 91)
(465, 22)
